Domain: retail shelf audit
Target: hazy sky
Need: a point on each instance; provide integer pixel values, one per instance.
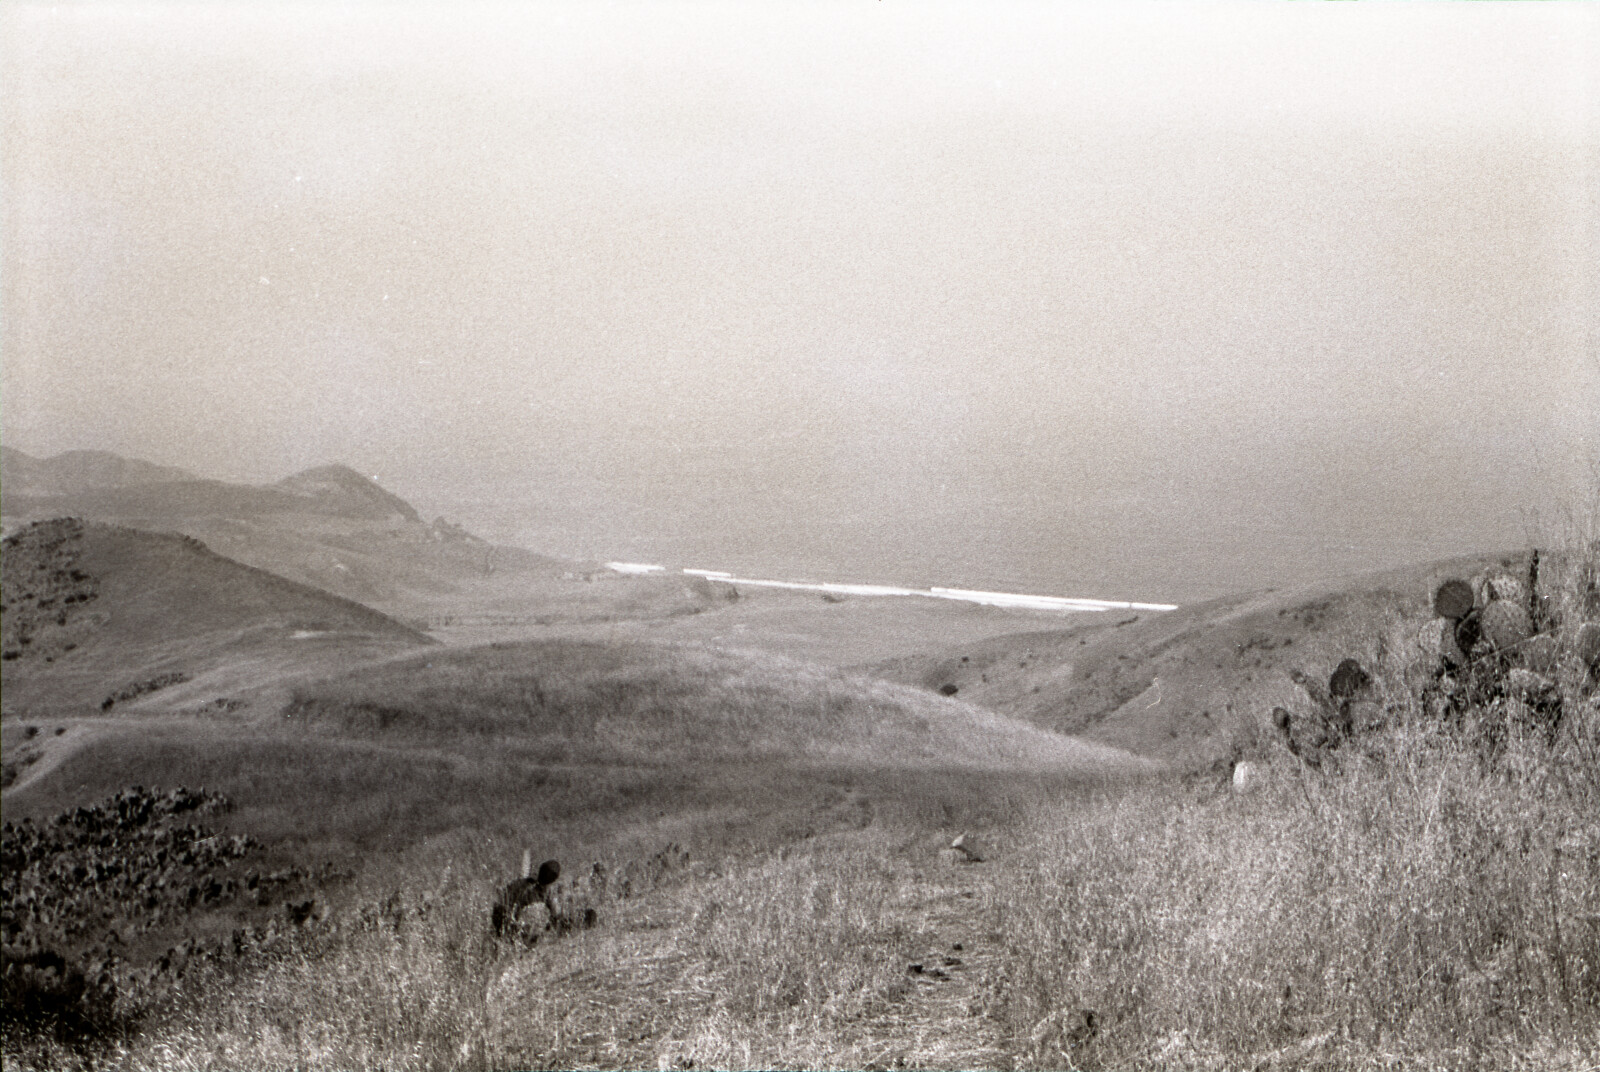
(1117, 297)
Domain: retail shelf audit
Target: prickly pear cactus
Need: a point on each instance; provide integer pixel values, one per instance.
(1506, 653)
(1505, 624)
(1438, 638)
(1504, 587)
(1587, 645)
(1453, 600)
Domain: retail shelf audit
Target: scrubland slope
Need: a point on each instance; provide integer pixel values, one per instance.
(95, 613)
(778, 834)
(1428, 897)
(672, 764)
(1196, 686)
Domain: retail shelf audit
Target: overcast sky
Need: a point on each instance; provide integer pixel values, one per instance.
(885, 282)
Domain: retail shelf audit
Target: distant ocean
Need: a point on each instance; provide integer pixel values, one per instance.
(1012, 600)
(1138, 558)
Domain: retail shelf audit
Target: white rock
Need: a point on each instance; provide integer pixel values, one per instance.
(968, 847)
(1247, 777)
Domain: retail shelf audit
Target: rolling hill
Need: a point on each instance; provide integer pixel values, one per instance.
(101, 617)
(596, 702)
(1196, 687)
(583, 748)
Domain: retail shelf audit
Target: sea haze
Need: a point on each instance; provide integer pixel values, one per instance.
(1161, 548)
(1129, 302)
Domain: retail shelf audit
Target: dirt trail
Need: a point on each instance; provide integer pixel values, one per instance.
(945, 1020)
(43, 754)
(645, 990)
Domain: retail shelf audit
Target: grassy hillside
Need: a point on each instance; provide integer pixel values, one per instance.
(779, 886)
(593, 702)
(520, 736)
(94, 613)
(329, 527)
(423, 574)
(1417, 906)
(667, 763)
(1197, 686)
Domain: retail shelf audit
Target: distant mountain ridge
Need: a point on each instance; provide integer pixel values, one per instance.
(78, 471)
(329, 526)
(102, 484)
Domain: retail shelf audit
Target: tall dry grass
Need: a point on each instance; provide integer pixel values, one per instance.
(1430, 898)
(1418, 908)
(1415, 906)
(789, 960)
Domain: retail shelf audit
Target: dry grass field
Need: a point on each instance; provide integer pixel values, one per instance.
(776, 884)
(1415, 910)
(415, 785)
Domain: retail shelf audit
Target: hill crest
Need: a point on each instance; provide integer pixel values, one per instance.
(100, 484)
(348, 492)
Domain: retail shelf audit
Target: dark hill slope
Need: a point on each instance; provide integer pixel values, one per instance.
(92, 612)
(1197, 685)
(329, 527)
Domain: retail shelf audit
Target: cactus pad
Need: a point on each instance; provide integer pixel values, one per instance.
(1503, 587)
(1448, 648)
(1505, 624)
(1453, 599)
(1588, 645)
(1541, 654)
(1348, 679)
